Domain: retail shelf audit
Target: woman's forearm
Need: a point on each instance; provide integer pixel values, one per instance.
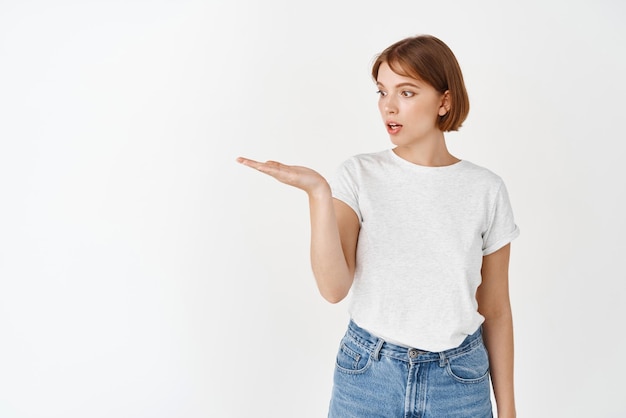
(332, 272)
(330, 268)
(498, 337)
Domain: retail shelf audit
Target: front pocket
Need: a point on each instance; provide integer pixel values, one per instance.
(469, 367)
(352, 358)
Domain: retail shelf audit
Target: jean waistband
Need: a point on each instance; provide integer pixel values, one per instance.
(378, 346)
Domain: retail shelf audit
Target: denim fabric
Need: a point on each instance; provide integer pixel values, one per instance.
(374, 378)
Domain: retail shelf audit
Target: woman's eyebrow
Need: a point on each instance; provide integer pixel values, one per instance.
(379, 84)
(408, 84)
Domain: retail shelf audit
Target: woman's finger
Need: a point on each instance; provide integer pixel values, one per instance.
(247, 161)
(269, 167)
(301, 177)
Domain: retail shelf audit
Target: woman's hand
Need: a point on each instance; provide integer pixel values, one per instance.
(301, 177)
(331, 236)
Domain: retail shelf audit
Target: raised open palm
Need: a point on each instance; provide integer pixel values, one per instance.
(301, 177)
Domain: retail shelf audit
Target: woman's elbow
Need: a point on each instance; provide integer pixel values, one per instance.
(335, 293)
(333, 297)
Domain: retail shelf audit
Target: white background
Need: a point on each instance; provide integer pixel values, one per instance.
(143, 273)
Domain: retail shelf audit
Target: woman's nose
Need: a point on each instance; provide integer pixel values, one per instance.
(390, 105)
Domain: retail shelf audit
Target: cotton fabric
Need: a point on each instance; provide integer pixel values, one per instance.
(424, 232)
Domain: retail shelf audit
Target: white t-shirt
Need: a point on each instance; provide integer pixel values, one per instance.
(424, 232)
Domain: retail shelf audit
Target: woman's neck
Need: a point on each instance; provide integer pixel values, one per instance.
(429, 153)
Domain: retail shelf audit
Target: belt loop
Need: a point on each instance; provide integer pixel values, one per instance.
(379, 346)
(442, 359)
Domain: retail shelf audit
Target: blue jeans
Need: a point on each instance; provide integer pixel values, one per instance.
(374, 378)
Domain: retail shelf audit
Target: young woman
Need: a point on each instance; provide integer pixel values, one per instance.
(422, 241)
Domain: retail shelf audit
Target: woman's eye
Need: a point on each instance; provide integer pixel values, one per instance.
(407, 93)
(381, 93)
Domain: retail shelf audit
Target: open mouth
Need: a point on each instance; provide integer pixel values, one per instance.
(393, 128)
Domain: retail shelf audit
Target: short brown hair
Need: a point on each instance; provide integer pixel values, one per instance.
(428, 59)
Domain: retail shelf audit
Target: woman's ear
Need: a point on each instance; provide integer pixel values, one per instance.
(445, 103)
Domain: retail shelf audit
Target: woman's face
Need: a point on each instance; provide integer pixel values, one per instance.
(409, 107)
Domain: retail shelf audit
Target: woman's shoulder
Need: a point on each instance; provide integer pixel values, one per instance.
(366, 160)
(481, 176)
(371, 156)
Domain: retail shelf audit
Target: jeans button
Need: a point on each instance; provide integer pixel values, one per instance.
(413, 353)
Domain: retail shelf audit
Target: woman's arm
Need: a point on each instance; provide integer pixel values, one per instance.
(494, 305)
(334, 227)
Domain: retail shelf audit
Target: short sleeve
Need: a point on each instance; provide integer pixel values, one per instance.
(345, 186)
(501, 228)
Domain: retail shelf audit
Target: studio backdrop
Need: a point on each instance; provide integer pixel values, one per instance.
(144, 273)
